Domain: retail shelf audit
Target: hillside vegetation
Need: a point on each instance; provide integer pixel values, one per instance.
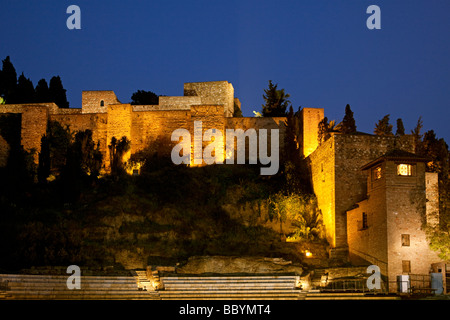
(162, 216)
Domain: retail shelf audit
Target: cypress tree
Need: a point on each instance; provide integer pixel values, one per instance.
(8, 81)
(42, 91)
(400, 128)
(57, 92)
(348, 123)
(24, 91)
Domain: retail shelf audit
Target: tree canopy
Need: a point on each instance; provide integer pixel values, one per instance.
(348, 123)
(383, 127)
(142, 97)
(400, 128)
(21, 90)
(276, 101)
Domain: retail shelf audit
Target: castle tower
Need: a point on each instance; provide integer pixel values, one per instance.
(310, 118)
(97, 101)
(338, 181)
(213, 93)
(386, 228)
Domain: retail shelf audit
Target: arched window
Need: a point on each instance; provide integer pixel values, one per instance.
(102, 103)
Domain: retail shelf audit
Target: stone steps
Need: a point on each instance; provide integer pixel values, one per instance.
(347, 296)
(230, 295)
(50, 287)
(142, 279)
(229, 288)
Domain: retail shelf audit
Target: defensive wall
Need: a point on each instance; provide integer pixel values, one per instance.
(335, 165)
(338, 180)
(145, 126)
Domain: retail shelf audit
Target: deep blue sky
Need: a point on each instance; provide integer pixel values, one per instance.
(321, 52)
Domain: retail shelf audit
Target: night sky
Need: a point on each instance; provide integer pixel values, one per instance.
(320, 52)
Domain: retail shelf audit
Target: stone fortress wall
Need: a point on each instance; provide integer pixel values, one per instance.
(335, 165)
(212, 103)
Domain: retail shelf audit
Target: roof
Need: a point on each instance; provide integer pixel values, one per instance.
(396, 155)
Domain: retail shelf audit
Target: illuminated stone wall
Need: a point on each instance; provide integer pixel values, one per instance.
(118, 126)
(406, 214)
(34, 126)
(96, 122)
(337, 178)
(432, 204)
(156, 127)
(211, 117)
(257, 123)
(213, 93)
(91, 101)
(310, 118)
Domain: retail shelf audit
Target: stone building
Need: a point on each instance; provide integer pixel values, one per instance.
(364, 218)
(211, 103)
(387, 227)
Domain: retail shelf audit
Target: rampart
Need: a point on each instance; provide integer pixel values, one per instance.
(146, 126)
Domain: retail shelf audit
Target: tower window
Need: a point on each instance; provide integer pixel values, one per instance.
(405, 240)
(364, 220)
(102, 103)
(404, 169)
(377, 173)
(406, 266)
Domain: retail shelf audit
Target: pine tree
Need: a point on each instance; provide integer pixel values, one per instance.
(8, 81)
(400, 128)
(42, 91)
(383, 128)
(276, 101)
(348, 123)
(57, 92)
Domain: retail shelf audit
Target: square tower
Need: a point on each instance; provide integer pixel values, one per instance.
(310, 118)
(387, 228)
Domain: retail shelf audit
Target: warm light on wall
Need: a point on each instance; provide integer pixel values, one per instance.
(308, 254)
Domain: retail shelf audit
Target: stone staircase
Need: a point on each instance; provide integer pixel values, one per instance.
(53, 287)
(271, 287)
(347, 296)
(172, 287)
(142, 280)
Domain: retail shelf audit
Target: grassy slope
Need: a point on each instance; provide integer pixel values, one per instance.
(159, 217)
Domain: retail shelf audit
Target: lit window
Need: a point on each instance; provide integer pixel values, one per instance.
(377, 173)
(405, 240)
(404, 170)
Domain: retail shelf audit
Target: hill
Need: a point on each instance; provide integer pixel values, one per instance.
(163, 216)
